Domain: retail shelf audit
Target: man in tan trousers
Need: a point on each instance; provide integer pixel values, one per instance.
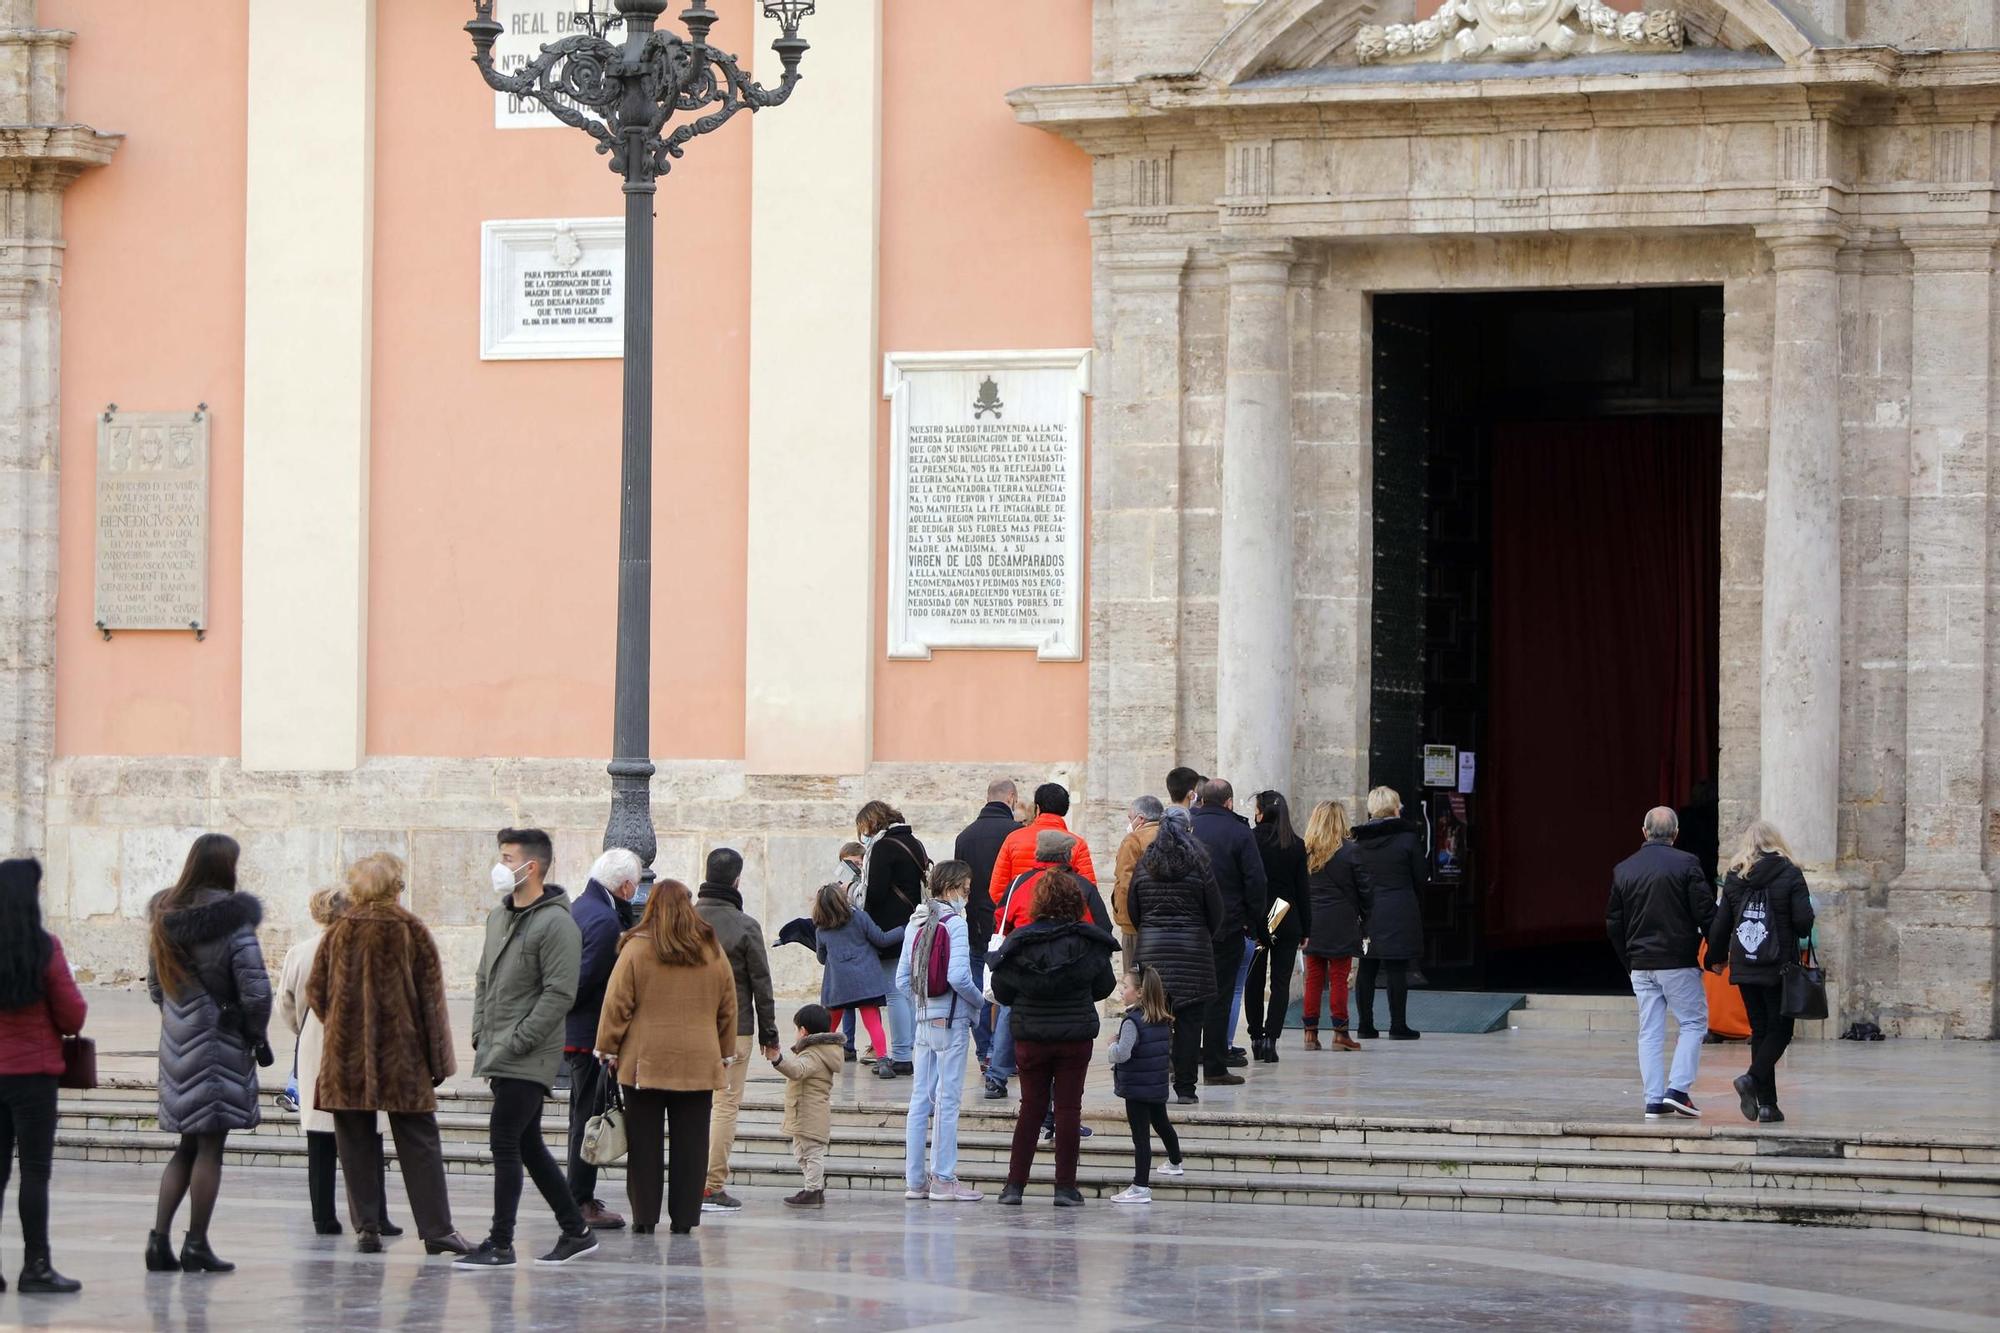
(720, 902)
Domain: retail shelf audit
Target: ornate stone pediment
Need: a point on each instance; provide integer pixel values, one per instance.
(1518, 30)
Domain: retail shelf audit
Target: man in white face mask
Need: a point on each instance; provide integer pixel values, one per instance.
(527, 983)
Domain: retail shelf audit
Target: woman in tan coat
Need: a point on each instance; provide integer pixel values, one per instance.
(668, 1023)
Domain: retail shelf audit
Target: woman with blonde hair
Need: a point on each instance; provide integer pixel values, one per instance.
(325, 907)
(377, 985)
(667, 1028)
(1333, 934)
(1390, 871)
(1765, 911)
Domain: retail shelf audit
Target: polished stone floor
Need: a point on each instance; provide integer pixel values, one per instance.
(875, 1263)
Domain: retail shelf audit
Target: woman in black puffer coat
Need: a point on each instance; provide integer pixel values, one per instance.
(1176, 908)
(207, 974)
(1764, 903)
(1052, 972)
(1390, 869)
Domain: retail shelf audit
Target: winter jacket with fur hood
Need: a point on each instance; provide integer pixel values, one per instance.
(377, 985)
(809, 1069)
(208, 1075)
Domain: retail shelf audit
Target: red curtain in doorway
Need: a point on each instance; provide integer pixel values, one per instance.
(1602, 702)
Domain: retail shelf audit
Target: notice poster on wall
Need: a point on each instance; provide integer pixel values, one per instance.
(152, 521)
(1440, 765)
(986, 501)
(529, 26)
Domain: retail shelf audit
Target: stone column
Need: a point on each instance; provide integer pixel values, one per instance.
(1256, 671)
(41, 152)
(1800, 731)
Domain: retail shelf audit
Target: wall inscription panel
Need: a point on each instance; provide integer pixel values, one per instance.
(552, 289)
(152, 520)
(986, 501)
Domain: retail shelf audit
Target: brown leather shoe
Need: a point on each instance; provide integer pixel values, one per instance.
(455, 1243)
(1312, 1040)
(599, 1218)
(1344, 1041)
(806, 1199)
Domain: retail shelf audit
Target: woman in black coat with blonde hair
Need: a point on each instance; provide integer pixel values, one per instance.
(1391, 870)
(1765, 911)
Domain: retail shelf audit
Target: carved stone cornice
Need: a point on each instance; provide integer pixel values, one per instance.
(1519, 30)
(57, 154)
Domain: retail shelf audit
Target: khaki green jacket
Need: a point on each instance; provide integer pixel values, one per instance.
(527, 983)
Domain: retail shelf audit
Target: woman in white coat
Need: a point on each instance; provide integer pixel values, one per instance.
(321, 1158)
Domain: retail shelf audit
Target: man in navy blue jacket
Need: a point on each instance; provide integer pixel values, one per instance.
(602, 912)
(1239, 873)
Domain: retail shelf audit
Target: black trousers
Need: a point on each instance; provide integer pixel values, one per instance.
(1215, 1028)
(417, 1153)
(322, 1156)
(679, 1163)
(1275, 964)
(1145, 1119)
(1399, 992)
(586, 1084)
(1188, 1021)
(515, 1136)
(1770, 1034)
(28, 1124)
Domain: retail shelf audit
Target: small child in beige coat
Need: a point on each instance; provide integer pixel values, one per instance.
(810, 1067)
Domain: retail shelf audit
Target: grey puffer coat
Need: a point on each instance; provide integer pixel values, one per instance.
(208, 1075)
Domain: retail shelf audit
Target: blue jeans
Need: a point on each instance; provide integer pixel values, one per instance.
(1242, 980)
(936, 1092)
(1679, 989)
(896, 1008)
(1001, 1067)
(847, 1027)
(982, 1023)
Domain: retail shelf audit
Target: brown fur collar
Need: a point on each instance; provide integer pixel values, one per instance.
(816, 1039)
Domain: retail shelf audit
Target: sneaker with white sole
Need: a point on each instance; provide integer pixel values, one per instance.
(1171, 1169)
(1133, 1194)
(1681, 1104)
(571, 1247)
(953, 1191)
(922, 1191)
(722, 1201)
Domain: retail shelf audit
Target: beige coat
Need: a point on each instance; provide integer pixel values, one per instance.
(669, 1026)
(1129, 851)
(312, 1036)
(809, 1069)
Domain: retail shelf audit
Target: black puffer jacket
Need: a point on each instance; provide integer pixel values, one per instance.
(1788, 916)
(1389, 867)
(1177, 920)
(1052, 976)
(208, 1075)
(1659, 909)
(895, 869)
(1285, 878)
(1336, 907)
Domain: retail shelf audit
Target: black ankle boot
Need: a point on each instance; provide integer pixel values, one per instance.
(160, 1254)
(196, 1257)
(38, 1276)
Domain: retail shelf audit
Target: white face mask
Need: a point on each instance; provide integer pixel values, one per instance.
(506, 879)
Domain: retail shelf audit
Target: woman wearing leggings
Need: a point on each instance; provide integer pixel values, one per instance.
(207, 974)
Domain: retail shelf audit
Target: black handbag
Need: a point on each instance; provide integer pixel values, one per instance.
(1803, 987)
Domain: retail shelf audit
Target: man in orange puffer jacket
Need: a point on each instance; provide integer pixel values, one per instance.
(1018, 853)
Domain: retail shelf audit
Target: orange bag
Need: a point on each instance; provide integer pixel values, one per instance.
(1725, 1003)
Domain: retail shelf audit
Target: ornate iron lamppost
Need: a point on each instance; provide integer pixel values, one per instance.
(635, 87)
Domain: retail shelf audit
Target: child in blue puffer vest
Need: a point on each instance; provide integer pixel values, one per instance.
(1140, 1073)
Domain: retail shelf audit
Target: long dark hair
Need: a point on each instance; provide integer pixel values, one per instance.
(1272, 809)
(210, 864)
(1175, 855)
(24, 946)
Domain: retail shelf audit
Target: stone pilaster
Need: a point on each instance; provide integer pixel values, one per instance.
(1256, 668)
(41, 152)
(1800, 727)
(1135, 531)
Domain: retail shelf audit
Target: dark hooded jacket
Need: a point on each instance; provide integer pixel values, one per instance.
(1390, 871)
(1335, 893)
(208, 1072)
(1788, 918)
(979, 847)
(1052, 975)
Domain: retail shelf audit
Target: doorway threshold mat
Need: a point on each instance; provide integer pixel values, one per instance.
(1445, 1010)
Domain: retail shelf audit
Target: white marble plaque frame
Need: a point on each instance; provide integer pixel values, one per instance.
(519, 321)
(932, 390)
(527, 26)
(151, 557)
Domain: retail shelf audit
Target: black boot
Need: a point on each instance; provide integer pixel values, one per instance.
(38, 1276)
(160, 1254)
(196, 1257)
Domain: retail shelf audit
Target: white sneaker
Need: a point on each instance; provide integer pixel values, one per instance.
(953, 1191)
(1134, 1194)
(1170, 1169)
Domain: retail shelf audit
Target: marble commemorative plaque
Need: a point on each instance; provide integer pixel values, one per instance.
(152, 520)
(986, 501)
(552, 289)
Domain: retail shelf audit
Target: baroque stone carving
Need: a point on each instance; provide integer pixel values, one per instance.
(1518, 29)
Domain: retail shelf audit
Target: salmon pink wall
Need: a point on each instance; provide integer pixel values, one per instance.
(984, 245)
(494, 489)
(153, 320)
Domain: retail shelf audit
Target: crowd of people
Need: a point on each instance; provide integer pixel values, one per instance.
(656, 1002)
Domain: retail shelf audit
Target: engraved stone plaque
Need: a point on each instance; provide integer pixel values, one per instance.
(553, 289)
(152, 520)
(528, 26)
(986, 501)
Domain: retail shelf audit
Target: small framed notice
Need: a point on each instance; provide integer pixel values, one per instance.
(1441, 766)
(152, 520)
(552, 289)
(986, 501)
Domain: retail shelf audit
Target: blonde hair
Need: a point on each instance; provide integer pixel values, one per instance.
(375, 879)
(1760, 840)
(1383, 802)
(1153, 996)
(1326, 830)
(327, 904)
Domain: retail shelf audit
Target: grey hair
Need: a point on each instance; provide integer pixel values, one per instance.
(1662, 824)
(1053, 844)
(1147, 808)
(617, 866)
(1002, 789)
